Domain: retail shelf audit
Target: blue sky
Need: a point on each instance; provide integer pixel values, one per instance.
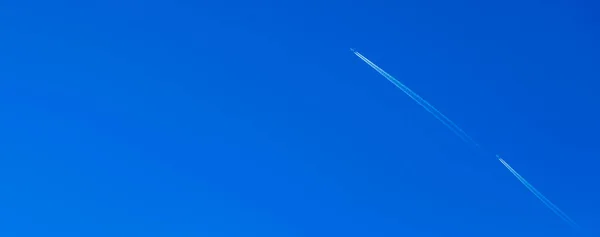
(238, 118)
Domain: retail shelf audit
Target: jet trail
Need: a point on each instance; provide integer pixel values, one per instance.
(540, 196)
(465, 137)
(436, 113)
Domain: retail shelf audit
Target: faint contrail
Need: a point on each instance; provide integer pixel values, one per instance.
(465, 137)
(540, 196)
(436, 113)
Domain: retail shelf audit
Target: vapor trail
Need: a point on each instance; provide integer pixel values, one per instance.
(436, 113)
(540, 196)
(465, 137)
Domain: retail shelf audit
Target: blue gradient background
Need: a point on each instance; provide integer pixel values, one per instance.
(240, 118)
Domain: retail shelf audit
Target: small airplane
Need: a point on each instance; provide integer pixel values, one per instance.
(351, 49)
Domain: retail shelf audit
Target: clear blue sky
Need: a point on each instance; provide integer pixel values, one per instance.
(252, 118)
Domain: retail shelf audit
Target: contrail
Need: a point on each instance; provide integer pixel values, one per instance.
(436, 113)
(465, 137)
(540, 196)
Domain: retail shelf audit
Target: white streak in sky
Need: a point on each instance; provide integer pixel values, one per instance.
(463, 135)
(540, 196)
(436, 113)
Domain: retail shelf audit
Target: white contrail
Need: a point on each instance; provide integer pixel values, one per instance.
(465, 137)
(540, 196)
(436, 113)
(412, 94)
